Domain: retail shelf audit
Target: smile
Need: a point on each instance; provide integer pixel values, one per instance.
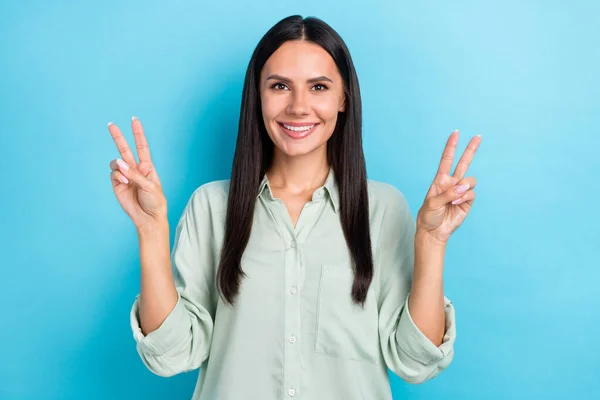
(297, 132)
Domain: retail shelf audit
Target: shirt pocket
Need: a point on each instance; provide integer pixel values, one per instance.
(344, 329)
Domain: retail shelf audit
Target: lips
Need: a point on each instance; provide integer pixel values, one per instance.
(297, 134)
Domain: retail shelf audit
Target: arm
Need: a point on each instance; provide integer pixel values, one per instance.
(158, 294)
(172, 317)
(407, 351)
(426, 300)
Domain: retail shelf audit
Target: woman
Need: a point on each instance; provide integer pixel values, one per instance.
(297, 278)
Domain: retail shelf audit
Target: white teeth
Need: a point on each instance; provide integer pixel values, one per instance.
(298, 128)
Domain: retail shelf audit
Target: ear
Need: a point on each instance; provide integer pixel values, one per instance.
(343, 106)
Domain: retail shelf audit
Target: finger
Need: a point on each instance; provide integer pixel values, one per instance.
(470, 180)
(118, 178)
(113, 165)
(141, 144)
(134, 175)
(448, 154)
(121, 143)
(471, 200)
(454, 193)
(468, 197)
(467, 157)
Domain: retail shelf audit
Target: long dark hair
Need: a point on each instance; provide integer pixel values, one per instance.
(254, 153)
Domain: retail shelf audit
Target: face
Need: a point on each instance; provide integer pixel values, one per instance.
(301, 93)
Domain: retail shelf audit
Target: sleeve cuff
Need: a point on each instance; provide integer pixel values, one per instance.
(174, 330)
(417, 345)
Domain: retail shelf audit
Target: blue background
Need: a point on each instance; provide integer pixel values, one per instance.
(523, 270)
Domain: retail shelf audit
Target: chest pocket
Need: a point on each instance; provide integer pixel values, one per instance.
(344, 329)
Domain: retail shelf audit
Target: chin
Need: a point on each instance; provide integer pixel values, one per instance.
(297, 150)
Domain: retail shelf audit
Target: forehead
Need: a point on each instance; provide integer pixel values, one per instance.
(300, 59)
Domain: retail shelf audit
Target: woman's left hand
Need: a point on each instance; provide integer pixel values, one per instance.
(438, 217)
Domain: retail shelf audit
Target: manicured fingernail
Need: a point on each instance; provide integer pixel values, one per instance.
(456, 130)
(123, 164)
(457, 201)
(134, 118)
(124, 180)
(110, 123)
(462, 188)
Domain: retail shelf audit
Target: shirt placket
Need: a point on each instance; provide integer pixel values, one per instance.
(293, 277)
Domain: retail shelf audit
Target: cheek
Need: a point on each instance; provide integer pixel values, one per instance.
(273, 104)
(327, 110)
(268, 107)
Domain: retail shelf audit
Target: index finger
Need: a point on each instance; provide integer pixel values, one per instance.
(448, 154)
(122, 145)
(141, 143)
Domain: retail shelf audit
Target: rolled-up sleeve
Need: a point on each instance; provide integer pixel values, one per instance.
(418, 346)
(406, 350)
(173, 331)
(182, 342)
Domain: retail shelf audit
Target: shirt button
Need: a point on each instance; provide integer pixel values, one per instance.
(291, 392)
(293, 290)
(292, 339)
(293, 244)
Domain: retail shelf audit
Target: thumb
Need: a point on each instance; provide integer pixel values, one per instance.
(134, 175)
(455, 192)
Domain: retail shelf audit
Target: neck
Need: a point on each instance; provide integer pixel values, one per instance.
(298, 174)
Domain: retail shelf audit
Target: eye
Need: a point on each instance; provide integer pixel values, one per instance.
(276, 85)
(321, 85)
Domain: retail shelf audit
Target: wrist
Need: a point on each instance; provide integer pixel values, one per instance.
(153, 228)
(425, 239)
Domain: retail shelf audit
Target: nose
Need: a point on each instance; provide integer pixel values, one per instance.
(298, 104)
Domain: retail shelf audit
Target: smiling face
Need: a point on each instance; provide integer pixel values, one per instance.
(301, 93)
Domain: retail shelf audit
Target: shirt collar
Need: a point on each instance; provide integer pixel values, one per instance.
(330, 186)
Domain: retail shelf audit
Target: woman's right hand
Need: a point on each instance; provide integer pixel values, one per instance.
(140, 193)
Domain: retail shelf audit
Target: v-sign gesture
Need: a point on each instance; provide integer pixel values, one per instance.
(136, 185)
(450, 197)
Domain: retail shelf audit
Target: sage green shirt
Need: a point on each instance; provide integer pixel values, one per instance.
(294, 332)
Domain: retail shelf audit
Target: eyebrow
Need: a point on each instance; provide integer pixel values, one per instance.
(311, 80)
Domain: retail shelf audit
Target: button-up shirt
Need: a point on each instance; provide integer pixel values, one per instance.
(294, 332)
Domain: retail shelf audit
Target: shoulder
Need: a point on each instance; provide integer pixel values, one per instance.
(211, 196)
(388, 208)
(384, 195)
(390, 215)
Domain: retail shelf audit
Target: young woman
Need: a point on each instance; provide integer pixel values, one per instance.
(298, 277)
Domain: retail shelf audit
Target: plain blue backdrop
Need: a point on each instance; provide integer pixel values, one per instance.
(523, 270)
